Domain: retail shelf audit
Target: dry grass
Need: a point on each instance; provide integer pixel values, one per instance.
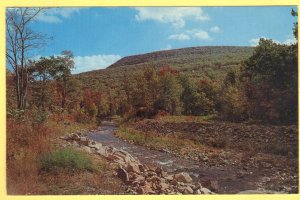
(175, 142)
(183, 118)
(27, 140)
(99, 181)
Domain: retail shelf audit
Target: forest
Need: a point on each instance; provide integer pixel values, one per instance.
(257, 85)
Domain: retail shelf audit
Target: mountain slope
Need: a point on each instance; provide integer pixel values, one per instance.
(184, 54)
(212, 62)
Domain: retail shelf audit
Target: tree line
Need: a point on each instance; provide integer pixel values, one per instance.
(264, 88)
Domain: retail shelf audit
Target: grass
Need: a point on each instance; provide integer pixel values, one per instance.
(183, 118)
(175, 142)
(65, 158)
(30, 147)
(65, 126)
(101, 180)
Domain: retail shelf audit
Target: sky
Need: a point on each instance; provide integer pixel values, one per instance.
(100, 36)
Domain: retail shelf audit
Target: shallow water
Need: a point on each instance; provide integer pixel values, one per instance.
(226, 177)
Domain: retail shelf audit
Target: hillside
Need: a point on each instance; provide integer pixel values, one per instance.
(212, 62)
(190, 55)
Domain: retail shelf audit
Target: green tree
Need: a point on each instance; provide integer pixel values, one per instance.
(295, 28)
(41, 88)
(169, 93)
(271, 75)
(62, 74)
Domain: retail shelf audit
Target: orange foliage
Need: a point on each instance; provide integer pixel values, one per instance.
(167, 69)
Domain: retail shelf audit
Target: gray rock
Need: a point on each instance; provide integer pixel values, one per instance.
(188, 190)
(205, 191)
(183, 177)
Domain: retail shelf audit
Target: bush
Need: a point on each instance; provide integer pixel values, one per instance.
(82, 117)
(66, 159)
(41, 117)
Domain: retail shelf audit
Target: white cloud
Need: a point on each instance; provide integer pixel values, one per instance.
(290, 41)
(175, 15)
(254, 42)
(214, 29)
(199, 34)
(202, 35)
(168, 47)
(88, 63)
(181, 37)
(56, 15)
(189, 34)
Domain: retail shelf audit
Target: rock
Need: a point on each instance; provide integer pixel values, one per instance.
(212, 185)
(163, 187)
(147, 188)
(87, 149)
(205, 191)
(183, 177)
(197, 186)
(131, 167)
(160, 172)
(142, 168)
(94, 145)
(174, 182)
(83, 141)
(188, 190)
(197, 192)
(110, 150)
(169, 178)
(181, 189)
(140, 190)
(139, 179)
(122, 174)
(102, 151)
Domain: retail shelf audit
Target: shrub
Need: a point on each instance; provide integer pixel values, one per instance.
(41, 117)
(66, 159)
(82, 117)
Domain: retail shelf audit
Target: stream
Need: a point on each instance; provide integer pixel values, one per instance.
(229, 182)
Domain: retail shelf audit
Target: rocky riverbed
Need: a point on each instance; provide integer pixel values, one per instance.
(149, 171)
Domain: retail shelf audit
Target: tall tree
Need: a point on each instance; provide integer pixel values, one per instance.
(295, 29)
(41, 71)
(62, 74)
(20, 41)
(169, 93)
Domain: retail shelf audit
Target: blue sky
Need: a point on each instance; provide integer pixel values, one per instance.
(100, 36)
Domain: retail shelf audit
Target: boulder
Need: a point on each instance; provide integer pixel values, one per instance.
(102, 151)
(160, 172)
(94, 145)
(212, 185)
(143, 168)
(188, 190)
(140, 190)
(197, 192)
(169, 178)
(183, 177)
(148, 189)
(132, 167)
(74, 137)
(162, 187)
(83, 141)
(122, 174)
(205, 191)
(139, 179)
